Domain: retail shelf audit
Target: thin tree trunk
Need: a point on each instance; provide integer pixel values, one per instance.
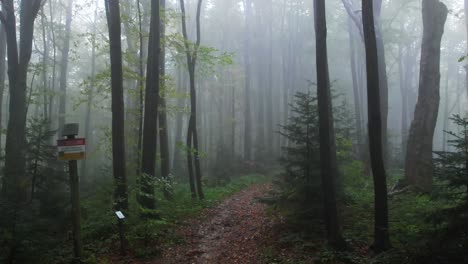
(64, 67)
(419, 165)
(381, 233)
(466, 25)
(45, 62)
(383, 79)
(89, 101)
(357, 99)
(404, 99)
(163, 128)
(2, 76)
(328, 162)
(192, 135)
(247, 92)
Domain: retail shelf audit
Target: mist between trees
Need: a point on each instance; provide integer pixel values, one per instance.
(194, 94)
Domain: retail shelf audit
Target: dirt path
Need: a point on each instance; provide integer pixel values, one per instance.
(231, 232)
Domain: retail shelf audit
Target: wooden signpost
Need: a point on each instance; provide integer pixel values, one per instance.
(73, 149)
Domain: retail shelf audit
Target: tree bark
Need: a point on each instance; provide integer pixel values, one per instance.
(2, 75)
(148, 159)
(248, 81)
(89, 101)
(118, 113)
(64, 67)
(356, 92)
(419, 165)
(466, 24)
(15, 181)
(163, 126)
(381, 234)
(192, 135)
(328, 162)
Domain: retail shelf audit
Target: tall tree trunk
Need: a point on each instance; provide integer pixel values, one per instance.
(466, 25)
(52, 114)
(148, 159)
(45, 62)
(16, 185)
(140, 86)
(419, 165)
(15, 181)
(383, 79)
(64, 67)
(163, 128)
(381, 233)
(177, 160)
(328, 162)
(404, 98)
(356, 88)
(2, 76)
(89, 101)
(248, 83)
(192, 135)
(118, 113)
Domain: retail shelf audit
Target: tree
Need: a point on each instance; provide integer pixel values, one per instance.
(118, 114)
(419, 165)
(15, 181)
(148, 159)
(15, 188)
(193, 153)
(466, 24)
(64, 66)
(381, 233)
(163, 127)
(328, 163)
(2, 73)
(247, 114)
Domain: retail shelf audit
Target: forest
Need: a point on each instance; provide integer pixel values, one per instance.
(234, 131)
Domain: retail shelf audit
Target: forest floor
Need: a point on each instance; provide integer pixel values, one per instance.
(236, 230)
(233, 231)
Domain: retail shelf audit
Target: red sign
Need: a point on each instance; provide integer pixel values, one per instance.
(71, 149)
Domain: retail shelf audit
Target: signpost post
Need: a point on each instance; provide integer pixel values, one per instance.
(120, 219)
(73, 149)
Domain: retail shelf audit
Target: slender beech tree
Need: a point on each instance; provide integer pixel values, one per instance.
(150, 131)
(328, 162)
(2, 75)
(466, 24)
(193, 153)
(64, 66)
(381, 232)
(419, 164)
(118, 113)
(247, 69)
(89, 101)
(163, 126)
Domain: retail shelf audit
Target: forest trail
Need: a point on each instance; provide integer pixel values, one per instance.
(230, 232)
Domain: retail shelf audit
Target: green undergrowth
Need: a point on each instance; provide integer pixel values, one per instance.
(409, 220)
(146, 237)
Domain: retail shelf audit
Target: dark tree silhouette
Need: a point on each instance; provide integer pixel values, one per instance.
(381, 233)
(328, 162)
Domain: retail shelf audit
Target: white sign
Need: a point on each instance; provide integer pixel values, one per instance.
(120, 215)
